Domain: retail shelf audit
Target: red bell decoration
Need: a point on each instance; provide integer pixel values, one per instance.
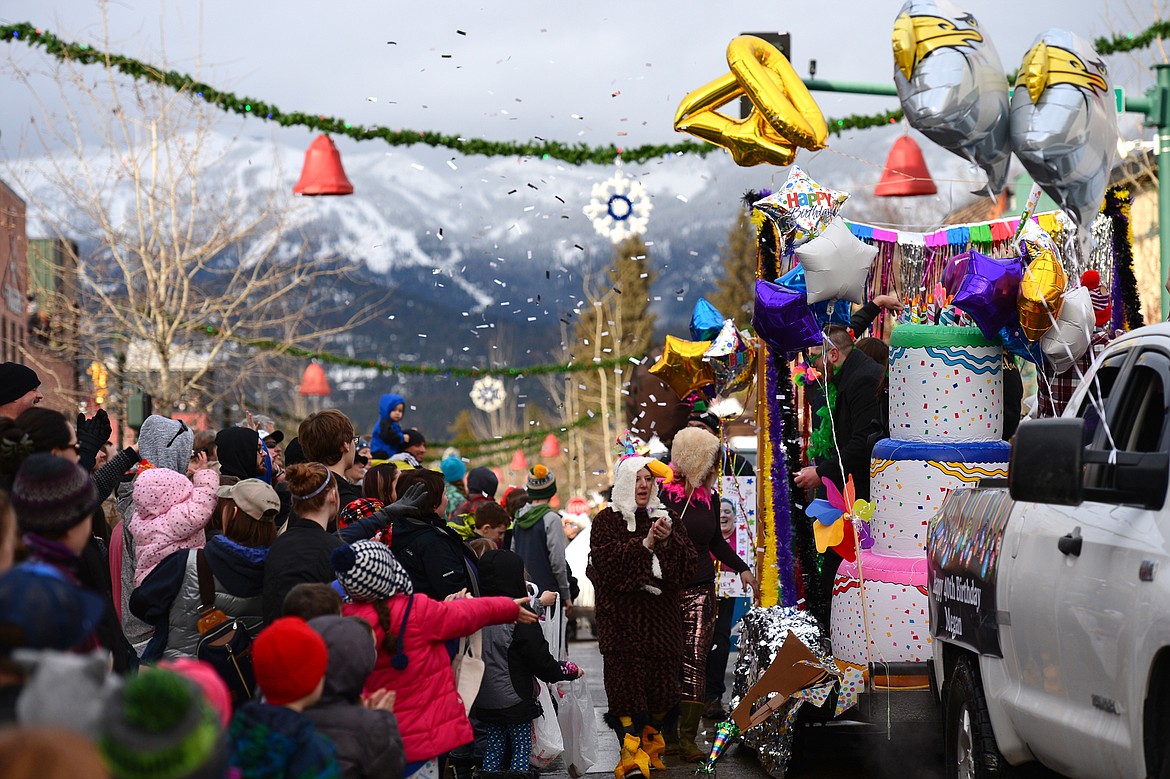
(551, 446)
(314, 383)
(323, 174)
(905, 174)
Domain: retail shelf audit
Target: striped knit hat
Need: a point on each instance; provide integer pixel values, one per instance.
(159, 725)
(542, 483)
(368, 572)
(51, 495)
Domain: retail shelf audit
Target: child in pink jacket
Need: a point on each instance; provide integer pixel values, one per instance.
(170, 513)
(411, 630)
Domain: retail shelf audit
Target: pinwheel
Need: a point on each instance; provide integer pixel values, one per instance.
(830, 516)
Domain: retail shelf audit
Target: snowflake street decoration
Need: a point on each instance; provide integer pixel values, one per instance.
(487, 394)
(620, 207)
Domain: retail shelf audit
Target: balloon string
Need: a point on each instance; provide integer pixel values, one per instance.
(1097, 401)
(828, 344)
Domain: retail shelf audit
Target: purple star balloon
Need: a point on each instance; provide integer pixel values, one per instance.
(783, 319)
(988, 291)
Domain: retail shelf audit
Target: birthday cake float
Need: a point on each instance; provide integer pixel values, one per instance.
(946, 421)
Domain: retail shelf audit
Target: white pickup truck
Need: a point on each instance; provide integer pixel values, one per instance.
(1050, 595)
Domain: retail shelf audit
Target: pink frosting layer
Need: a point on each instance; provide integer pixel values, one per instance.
(906, 571)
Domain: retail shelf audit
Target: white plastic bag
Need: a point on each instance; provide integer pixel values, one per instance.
(553, 624)
(547, 743)
(469, 667)
(578, 726)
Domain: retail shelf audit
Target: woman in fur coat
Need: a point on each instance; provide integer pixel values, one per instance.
(638, 565)
(690, 495)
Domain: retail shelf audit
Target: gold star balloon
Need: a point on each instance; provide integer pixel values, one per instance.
(682, 367)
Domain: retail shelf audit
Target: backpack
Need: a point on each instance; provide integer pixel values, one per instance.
(224, 643)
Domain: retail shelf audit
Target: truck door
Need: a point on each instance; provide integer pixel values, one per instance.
(1041, 581)
(1098, 612)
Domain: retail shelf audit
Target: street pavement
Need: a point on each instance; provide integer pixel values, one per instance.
(831, 751)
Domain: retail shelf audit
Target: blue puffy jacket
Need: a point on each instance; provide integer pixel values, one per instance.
(387, 438)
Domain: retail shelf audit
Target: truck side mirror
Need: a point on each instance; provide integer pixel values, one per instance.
(1046, 462)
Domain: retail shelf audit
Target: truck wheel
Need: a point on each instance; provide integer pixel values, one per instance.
(970, 748)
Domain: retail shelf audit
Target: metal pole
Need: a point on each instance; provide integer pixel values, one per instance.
(1159, 120)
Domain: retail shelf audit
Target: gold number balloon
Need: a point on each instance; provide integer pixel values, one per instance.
(784, 115)
(751, 141)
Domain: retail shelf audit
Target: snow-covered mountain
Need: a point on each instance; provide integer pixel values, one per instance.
(467, 243)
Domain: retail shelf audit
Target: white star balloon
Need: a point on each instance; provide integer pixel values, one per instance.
(836, 264)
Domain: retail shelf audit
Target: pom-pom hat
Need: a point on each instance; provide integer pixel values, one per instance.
(289, 659)
(542, 483)
(51, 495)
(159, 725)
(368, 572)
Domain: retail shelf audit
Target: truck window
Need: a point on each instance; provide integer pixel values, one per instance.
(1142, 411)
(1096, 399)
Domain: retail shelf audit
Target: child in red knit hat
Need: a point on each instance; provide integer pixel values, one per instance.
(275, 739)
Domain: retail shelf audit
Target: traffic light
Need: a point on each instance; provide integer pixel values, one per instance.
(139, 406)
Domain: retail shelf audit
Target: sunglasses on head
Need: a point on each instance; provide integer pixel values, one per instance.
(182, 429)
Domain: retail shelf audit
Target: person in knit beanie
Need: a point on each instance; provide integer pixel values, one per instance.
(411, 632)
(275, 739)
(19, 389)
(455, 475)
(538, 536)
(159, 725)
(54, 499)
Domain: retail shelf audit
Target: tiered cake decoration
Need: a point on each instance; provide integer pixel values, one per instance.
(946, 421)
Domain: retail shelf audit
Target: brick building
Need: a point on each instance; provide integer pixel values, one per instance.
(38, 314)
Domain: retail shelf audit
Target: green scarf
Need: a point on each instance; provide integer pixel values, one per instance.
(531, 515)
(820, 443)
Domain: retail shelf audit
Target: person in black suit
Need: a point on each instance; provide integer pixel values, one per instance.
(855, 419)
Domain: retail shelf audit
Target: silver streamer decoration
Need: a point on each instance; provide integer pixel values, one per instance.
(762, 632)
(911, 268)
(1101, 257)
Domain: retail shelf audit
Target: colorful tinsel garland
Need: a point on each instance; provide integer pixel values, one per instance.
(1128, 315)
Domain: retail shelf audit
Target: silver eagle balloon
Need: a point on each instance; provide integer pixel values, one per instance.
(952, 85)
(1064, 125)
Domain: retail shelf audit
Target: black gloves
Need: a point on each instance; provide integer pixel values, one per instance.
(92, 435)
(410, 504)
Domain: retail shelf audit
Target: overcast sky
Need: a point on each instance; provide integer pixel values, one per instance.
(570, 71)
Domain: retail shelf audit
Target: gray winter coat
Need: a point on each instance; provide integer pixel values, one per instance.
(183, 635)
(368, 743)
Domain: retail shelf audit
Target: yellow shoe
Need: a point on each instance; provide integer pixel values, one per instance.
(632, 758)
(653, 745)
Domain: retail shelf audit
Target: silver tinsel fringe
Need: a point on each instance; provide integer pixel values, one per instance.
(762, 632)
